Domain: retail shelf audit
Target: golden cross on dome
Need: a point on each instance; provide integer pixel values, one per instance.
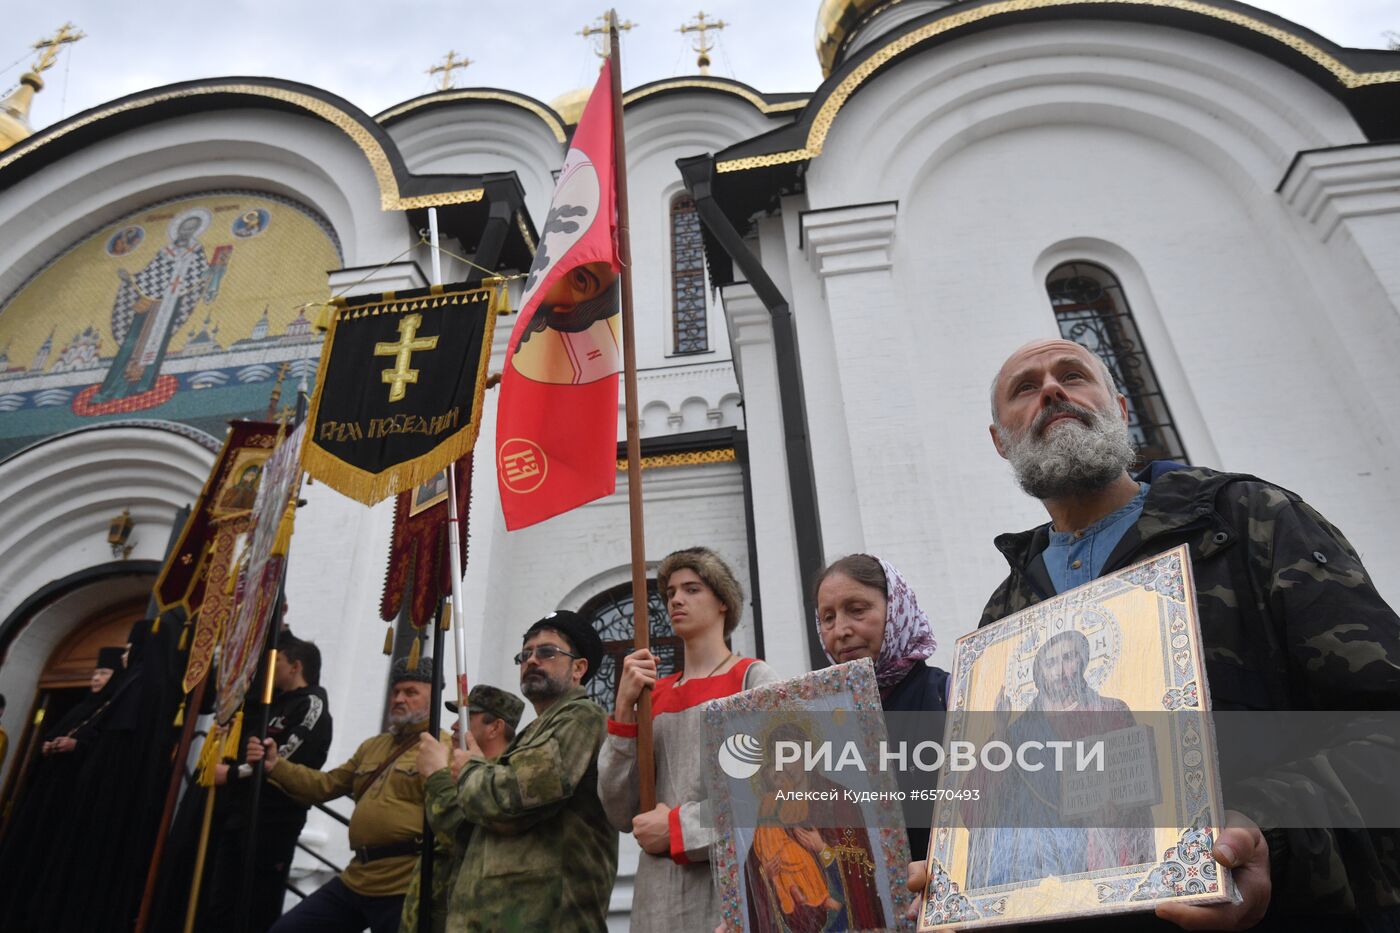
(450, 63)
(49, 48)
(601, 29)
(402, 352)
(702, 26)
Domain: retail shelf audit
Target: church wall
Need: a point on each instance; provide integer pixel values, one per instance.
(944, 187)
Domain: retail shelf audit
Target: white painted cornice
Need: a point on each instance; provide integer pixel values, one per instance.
(847, 240)
(1329, 186)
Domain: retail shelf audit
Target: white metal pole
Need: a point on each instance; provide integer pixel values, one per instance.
(433, 242)
(454, 541)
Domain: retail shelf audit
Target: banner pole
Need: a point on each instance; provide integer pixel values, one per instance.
(194, 701)
(454, 537)
(259, 727)
(429, 853)
(641, 630)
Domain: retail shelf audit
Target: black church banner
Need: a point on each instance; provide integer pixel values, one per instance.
(399, 391)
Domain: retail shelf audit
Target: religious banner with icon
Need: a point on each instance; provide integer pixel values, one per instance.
(399, 392)
(418, 560)
(801, 845)
(259, 571)
(195, 573)
(1124, 820)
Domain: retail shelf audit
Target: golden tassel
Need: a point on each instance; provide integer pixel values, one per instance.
(503, 301)
(414, 654)
(283, 542)
(235, 731)
(210, 756)
(389, 640)
(325, 314)
(155, 626)
(184, 638)
(180, 715)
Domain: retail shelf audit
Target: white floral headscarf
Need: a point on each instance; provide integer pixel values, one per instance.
(908, 636)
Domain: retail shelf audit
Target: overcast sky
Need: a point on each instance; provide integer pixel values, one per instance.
(375, 53)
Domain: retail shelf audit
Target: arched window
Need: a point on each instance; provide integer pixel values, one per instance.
(690, 330)
(610, 613)
(1092, 310)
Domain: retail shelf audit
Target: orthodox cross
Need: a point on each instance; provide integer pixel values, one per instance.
(402, 352)
(449, 64)
(49, 48)
(702, 26)
(601, 29)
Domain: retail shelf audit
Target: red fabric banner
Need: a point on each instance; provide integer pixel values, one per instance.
(556, 423)
(418, 558)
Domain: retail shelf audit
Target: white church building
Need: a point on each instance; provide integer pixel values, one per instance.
(1202, 192)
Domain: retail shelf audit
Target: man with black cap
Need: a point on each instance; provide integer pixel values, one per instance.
(386, 825)
(491, 721)
(543, 855)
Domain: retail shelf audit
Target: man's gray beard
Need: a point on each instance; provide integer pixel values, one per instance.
(404, 723)
(543, 688)
(1073, 458)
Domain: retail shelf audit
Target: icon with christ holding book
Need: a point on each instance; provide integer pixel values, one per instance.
(1049, 835)
(1109, 801)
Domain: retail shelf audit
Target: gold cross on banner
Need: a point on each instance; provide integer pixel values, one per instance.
(402, 352)
(702, 26)
(49, 48)
(601, 29)
(449, 64)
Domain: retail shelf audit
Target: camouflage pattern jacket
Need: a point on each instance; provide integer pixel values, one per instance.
(451, 833)
(1290, 621)
(542, 854)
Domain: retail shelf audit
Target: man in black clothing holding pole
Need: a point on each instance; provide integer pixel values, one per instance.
(299, 722)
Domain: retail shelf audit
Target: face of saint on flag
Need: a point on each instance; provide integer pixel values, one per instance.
(574, 336)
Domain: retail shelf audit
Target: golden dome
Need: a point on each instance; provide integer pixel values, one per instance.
(835, 19)
(570, 105)
(14, 110)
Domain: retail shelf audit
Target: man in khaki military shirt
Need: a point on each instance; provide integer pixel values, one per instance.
(387, 824)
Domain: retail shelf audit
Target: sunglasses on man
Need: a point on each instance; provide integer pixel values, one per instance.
(544, 653)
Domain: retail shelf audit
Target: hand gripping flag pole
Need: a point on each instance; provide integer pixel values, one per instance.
(641, 629)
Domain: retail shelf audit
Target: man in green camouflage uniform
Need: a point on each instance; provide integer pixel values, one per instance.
(1289, 620)
(543, 855)
(492, 717)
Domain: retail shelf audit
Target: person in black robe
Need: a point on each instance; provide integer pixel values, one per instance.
(33, 858)
(121, 788)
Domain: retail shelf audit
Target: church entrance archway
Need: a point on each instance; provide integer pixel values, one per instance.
(58, 632)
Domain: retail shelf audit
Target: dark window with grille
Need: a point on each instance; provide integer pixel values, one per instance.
(610, 613)
(688, 323)
(1092, 311)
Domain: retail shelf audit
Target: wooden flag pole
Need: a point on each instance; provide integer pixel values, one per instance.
(194, 701)
(454, 539)
(641, 630)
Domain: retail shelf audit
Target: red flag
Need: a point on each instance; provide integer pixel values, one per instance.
(556, 424)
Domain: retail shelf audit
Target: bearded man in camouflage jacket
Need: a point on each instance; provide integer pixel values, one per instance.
(1289, 620)
(542, 855)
